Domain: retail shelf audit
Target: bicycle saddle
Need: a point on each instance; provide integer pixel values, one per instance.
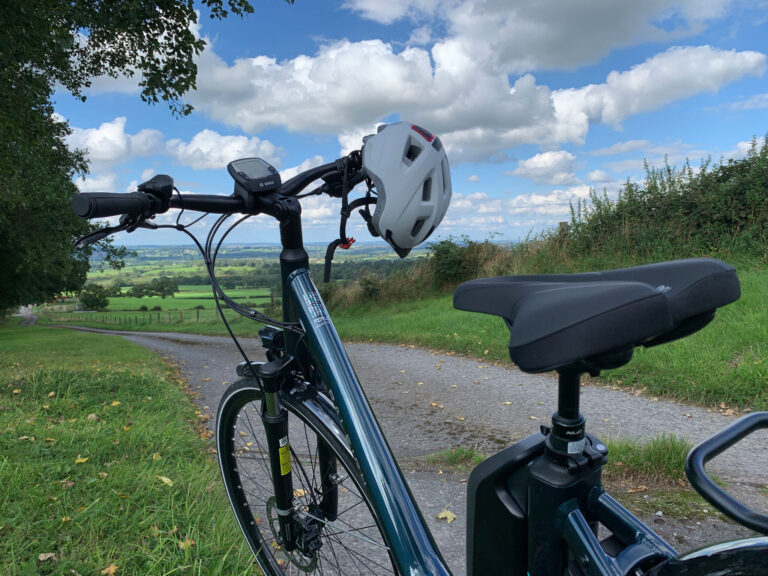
(594, 320)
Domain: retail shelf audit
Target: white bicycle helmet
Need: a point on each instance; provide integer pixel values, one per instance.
(409, 169)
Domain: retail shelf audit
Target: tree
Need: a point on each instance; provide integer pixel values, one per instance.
(67, 43)
(94, 297)
(164, 286)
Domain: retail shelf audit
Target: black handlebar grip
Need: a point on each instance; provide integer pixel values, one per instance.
(102, 204)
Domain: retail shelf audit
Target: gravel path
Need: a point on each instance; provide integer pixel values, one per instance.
(428, 401)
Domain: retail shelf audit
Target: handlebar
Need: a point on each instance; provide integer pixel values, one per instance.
(144, 205)
(704, 452)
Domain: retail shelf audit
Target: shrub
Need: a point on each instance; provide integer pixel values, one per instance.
(143, 308)
(156, 309)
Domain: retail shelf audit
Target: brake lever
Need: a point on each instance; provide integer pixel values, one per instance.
(127, 224)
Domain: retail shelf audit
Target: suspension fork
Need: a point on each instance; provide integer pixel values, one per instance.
(275, 420)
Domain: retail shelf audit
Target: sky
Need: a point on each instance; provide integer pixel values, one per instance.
(536, 103)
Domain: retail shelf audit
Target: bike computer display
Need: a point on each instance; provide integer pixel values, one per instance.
(254, 174)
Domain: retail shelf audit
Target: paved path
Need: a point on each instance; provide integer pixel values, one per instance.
(485, 407)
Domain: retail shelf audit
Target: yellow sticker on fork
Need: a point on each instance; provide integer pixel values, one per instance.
(285, 456)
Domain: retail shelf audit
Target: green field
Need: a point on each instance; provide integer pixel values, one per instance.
(105, 466)
(188, 298)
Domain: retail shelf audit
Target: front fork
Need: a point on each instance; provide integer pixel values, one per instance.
(274, 417)
(275, 420)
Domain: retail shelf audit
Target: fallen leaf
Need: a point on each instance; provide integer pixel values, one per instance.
(507, 403)
(110, 570)
(186, 544)
(446, 515)
(81, 460)
(460, 418)
(65, 519)
(17, 391)
(165, 480)
(298, 493)
(92, 417)
(115, 403)
(533, 417)
(638, 489)
(156, 457)
(47, 556)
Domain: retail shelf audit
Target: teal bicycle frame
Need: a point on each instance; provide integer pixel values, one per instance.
(410, 541)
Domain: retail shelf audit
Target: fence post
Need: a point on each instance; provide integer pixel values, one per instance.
(198, 315)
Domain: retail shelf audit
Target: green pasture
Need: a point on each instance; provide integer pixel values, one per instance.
(188, 298)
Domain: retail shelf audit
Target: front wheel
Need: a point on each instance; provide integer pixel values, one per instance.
(341, 534)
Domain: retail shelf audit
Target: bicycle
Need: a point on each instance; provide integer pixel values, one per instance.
(307, 469)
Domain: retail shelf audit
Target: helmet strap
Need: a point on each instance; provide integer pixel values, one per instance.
(346, 209)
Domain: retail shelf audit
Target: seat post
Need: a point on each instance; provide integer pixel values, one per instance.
(568, 390)
(566, 441)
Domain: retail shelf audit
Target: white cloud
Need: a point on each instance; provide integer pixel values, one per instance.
(599, 177)
(97, 183)
(319, 210)
(518, 36)
(147, 173)
(109, 144)
(553, 167)
(621, 148)
(209, 150)
(289, 173)
(676, 74)
(743, 149)
(420, 36)
(473, 178)
(464, 96)
(555, 203)
(756, 102)
(392, 10)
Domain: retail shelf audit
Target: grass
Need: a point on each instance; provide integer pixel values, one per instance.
(104, 463)
(659, 460)
(459, 459)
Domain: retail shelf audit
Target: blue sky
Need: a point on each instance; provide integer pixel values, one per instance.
(536, 102)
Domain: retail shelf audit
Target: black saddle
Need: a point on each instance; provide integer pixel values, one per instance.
(594, 320)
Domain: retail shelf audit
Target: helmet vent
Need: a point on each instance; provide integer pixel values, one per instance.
(417, 227)
(412, 152)
(426, 191)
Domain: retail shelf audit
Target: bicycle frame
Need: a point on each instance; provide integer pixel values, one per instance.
(408, 537)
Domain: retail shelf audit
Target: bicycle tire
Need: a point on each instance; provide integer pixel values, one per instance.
(351, 544)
